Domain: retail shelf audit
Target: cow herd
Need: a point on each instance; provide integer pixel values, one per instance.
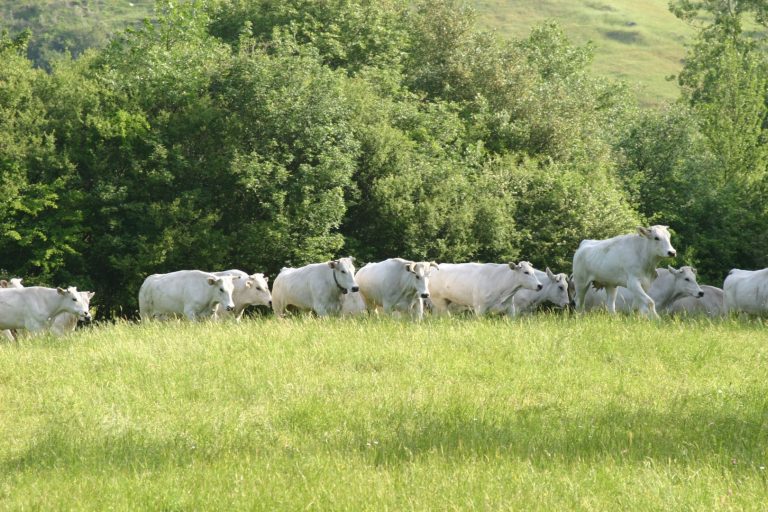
(619, 273)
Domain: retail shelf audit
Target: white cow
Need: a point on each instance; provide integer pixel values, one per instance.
(250, 290)
(192, 293)
(63, 322)
(711, 304)
(746, 291)
(669, 285)
(12, 283)
(35, 307)
(481, 287)
(67, 322)
(627, 260)
(318, 287)
(396, 285)
(554, 289)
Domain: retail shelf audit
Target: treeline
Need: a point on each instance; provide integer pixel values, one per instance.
(258, 134)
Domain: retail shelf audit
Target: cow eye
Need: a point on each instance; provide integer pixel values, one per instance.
(561, 287)
(221, 289)
(418, 277)
(343, 271)
(74, 300)
(527, 273)
(656, 238)
(688, 279)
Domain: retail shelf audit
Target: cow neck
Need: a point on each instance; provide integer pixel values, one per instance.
(344, 290)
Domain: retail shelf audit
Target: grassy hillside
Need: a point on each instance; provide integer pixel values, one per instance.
(640, 42)
(549, 413)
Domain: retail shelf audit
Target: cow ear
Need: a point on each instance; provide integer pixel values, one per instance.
(695, 272)
(3, 283)
(90, 295)
(551, 275)
(674, 270)
(642, 231)
(266, 279)
(409, 266)
(513, 265)
(248, 283)
(352, 259)
(333, 263)
(434, 264)
(212, 281)
(61, 291)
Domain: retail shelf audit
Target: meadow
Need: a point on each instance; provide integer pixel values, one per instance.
(544, 413)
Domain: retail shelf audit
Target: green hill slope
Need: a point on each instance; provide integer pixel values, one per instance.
(638, 41)
(641, 42)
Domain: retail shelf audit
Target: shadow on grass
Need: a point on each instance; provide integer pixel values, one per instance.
(736, 438)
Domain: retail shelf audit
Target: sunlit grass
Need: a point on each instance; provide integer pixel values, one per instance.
(543, 413)
(640, 42)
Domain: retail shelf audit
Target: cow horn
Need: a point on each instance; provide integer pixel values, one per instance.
(551, 274)
(434, 264)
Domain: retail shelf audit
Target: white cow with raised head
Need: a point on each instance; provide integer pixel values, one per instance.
(480, 287)
(746, 291)
(250, 290)
(34, 308)
(396, 285)
(627, 260)
(669, 285)
(711, 304)
(554, 289)
(317, 287)
(192, 293)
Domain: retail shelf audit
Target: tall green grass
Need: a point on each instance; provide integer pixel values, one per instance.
(546, 413)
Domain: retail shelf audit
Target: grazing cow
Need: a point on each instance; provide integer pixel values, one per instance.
(318, 287)
(746, 291)
(670, 284)
(711, 304)
(192, 293)
(35, 307)
(554, 290)
(396, 285)
(481, 287)
(250, 290)
(627, 260)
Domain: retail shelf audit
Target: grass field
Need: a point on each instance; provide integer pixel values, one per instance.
(548, 413)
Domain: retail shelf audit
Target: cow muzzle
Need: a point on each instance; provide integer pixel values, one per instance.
(270, 303)
(87, 317)
(672, 253)
(424, 295)
(230, 308)
(355, 289)
(700, 294)
(540, 286)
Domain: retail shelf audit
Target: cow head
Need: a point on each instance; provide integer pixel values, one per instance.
(256, 291)
(658, 237)
(13, 283)
(75, 302)
(344, 274)
(419, 273)
(556, 289)
(526, 275)
(685, 282)
(224, 286)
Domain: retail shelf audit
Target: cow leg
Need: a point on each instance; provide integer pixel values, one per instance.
(647, 306)
(9, 334)
(581, 292)
(417, 309)
(440, 306)
(610, 298)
